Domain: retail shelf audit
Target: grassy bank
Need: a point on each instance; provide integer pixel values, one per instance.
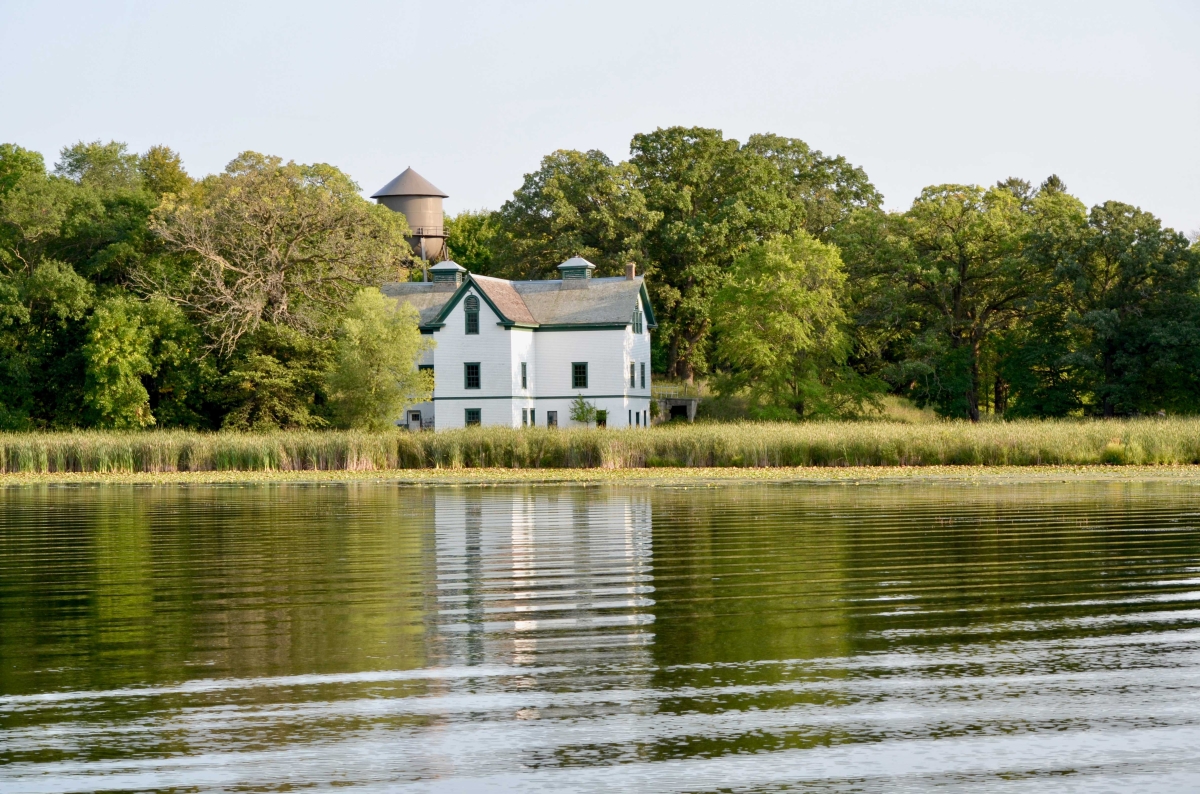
(1062, 443)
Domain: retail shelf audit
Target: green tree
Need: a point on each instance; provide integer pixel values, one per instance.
(275, 243)
(1120, 329)
(162, 172)
(700, 184)
(17, 162)
(582, 411)
(575, 204)
(829, 189)
(275, 379)
(33, 209)
(375, 375)
(1036, 363)
(779, 323)
(41, 377)
(182, 374)
(473, 237)
(953, 269)
(106, 166)
(64, 237)
(117, 355)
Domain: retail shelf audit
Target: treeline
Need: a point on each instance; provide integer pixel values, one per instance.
(134, 296)
(776, 274)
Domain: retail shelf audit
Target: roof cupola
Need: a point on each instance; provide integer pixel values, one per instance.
(575, 272)
(447, 275)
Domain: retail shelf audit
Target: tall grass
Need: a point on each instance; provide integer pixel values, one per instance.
(1143, 441)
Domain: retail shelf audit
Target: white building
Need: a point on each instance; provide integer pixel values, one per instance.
(519, 353)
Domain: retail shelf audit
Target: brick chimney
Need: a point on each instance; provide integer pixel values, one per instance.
(630, 271)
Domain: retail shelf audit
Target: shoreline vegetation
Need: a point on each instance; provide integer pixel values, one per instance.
(1188, 475)
(747, 446)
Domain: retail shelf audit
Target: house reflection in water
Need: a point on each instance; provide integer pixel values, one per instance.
(525, 577)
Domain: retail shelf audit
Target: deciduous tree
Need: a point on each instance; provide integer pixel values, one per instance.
(375, 375)
(956, 261)
(117, 354)
(276, 243)
(575, 204)
(780, 333)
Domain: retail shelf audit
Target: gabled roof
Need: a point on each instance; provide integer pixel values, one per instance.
(505, 299)
(421, 295)
(409, 183)
(606, 302)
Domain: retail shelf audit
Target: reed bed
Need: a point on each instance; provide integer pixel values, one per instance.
(1135, 442)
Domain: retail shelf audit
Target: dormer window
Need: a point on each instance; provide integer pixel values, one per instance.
(471, 307)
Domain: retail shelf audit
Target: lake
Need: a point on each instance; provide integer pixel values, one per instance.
(771, 637)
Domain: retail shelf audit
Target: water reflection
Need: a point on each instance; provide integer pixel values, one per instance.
(530, 574)
(736, 638)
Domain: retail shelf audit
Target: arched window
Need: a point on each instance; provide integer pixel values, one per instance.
(471, 307)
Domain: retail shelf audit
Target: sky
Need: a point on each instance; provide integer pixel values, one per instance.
(473, 94)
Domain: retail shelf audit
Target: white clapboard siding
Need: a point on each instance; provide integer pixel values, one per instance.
(491, 347)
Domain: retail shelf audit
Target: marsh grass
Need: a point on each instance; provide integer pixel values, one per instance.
(1128, 442)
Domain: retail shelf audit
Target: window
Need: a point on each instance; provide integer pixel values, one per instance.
(532, 417)
(524, 376)
(579, 375)
(471, 307)
(473, 417)
(524, 417)
(637, 321)
(551, 418)
(631, 417)
(643, 374)
(425, 368)
(632, 378)
(471, 375)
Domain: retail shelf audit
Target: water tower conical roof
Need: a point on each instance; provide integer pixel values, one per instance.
(409, 183)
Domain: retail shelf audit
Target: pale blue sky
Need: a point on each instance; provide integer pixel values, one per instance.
(472, 95)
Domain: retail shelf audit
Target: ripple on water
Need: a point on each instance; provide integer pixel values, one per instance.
(745, 638)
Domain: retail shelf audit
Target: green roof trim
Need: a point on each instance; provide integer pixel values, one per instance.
(650, 321)
(508, 323)
(461, 293)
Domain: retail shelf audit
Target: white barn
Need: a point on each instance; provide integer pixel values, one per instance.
(519, 353)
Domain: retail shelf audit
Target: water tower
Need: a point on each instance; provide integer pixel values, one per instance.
(420, 202)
